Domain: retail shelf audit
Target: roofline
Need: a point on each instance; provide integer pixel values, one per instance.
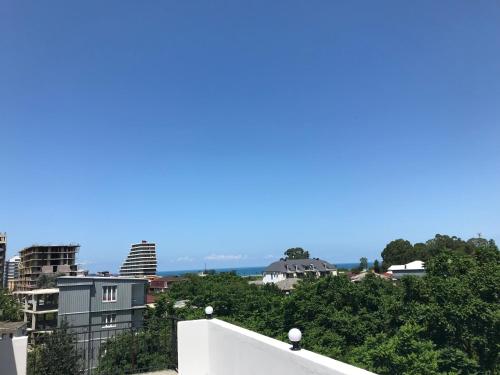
(101, 278)
(50, 245)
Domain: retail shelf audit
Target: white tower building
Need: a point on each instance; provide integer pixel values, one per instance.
(141, 261)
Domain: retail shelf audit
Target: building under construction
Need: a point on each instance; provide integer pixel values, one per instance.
(48, 260)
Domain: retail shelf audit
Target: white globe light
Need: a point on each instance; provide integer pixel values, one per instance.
(209, 310)
(294, 335)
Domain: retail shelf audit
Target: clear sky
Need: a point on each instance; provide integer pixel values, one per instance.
(228, 131)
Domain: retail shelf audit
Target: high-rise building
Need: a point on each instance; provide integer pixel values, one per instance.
(47, 260)
(141, 261)
(11, 272)
(3, 251)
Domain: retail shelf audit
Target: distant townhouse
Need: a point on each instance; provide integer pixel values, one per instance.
(141, 260)
(297, 268)
(415, 268)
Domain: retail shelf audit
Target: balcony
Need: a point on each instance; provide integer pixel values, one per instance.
(214, 347)
(204, 347)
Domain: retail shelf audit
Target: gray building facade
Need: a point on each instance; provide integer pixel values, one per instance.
(99, 308)
(86, 300)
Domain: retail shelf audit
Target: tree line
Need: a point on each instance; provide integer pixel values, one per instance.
(447, 322)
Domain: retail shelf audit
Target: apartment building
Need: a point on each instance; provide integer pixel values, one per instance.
(46, 259)
(141, 260)
(3, 252)
(11, 272)
(98, 308)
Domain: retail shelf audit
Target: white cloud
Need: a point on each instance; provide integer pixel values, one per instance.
(269, 256)
(225, 257)
(185, 259)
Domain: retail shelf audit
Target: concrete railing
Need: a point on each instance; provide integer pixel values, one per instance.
(214, 347)
(13, 355)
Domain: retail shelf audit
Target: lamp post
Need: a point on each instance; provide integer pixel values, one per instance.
(209, 310)
(294, 335)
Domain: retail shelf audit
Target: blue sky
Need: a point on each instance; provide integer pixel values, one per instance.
(228, 131)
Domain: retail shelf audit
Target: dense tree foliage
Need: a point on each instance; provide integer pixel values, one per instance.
(363, 264)
(447, 322)
(296, 253)
(48, 280)
(147, 349)
(401, 251)
(10, 309)
(55, 354)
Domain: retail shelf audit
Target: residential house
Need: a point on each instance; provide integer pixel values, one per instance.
(297, 268)
(415, 268)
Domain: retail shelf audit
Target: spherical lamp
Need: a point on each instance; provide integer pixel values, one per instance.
(294, 335)
(209, 310)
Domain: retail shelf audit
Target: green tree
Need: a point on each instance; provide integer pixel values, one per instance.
(376, 266)
(48, 280)
(296, 253)
(55, 354)
(130, 352)
(446, 322)
(397, 252)
(442, 243)
(363, 264)
(10, 309)
(404, 353)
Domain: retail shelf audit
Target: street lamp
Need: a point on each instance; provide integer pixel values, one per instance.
(294, 335)
(209, 310)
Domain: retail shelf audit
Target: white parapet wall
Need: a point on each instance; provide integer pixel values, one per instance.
(214, 347)
(13, 355)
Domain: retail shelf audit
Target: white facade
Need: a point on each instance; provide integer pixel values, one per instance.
(214, 347)
(11, 272)
(273, 277)
(297, 269)
(13, 355)
(415, 268)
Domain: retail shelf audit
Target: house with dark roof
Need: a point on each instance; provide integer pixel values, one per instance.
(297, 268)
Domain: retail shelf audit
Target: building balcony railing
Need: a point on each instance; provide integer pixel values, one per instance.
(208, 346)
(218, 348)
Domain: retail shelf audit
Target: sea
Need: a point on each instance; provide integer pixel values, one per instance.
(242, 271)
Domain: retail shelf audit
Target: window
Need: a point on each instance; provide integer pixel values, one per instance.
(109, 320)
(109, 293)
